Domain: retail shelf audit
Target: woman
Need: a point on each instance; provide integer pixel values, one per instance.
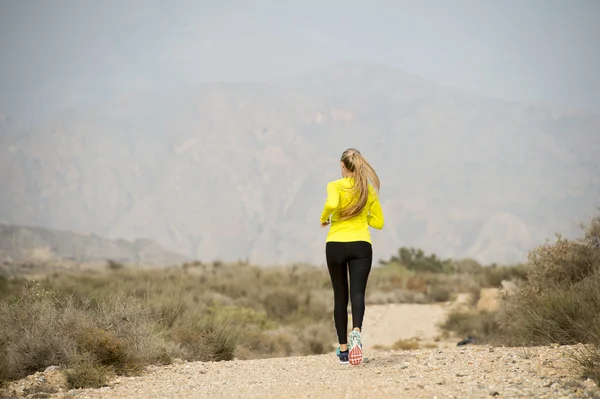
(353, 205)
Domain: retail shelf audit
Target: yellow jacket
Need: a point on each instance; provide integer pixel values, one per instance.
(357, 227)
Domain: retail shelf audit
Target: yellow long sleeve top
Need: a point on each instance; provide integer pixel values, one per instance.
(357, 227)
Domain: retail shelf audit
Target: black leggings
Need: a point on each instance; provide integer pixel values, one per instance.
(355, 256)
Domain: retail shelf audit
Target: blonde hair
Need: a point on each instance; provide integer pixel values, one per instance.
(362, 172)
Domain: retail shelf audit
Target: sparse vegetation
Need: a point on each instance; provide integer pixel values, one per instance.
(407, 345)
(116, 320)
(482, 325)
(558, 301)
(41, 328)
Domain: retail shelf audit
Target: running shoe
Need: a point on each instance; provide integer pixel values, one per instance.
(343, 356)
(355, 356)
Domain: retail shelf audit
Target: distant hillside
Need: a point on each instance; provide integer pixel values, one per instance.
(26, 243)
(238, 170)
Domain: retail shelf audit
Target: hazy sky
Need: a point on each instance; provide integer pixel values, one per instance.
(57, 53)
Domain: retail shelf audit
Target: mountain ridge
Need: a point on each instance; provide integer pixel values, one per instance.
(24, 243)
(236, 171)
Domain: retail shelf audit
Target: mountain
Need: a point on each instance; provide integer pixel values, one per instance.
(238, 170)
(31, 243)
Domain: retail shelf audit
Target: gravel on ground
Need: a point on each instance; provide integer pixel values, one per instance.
(460, 372)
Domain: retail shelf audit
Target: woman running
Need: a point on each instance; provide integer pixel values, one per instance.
(353, 205)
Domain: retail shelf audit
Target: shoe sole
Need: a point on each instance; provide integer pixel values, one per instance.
(356, 356)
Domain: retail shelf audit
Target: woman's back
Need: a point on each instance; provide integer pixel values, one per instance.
(356, 228)
(352, 206)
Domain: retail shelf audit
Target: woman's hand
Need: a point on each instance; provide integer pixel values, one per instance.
(324, 224)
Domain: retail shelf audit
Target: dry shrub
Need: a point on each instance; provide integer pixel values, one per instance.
(243, 316)
(104, 347)
(494, 275)
(396, 280)
(406, 344)
(316, 339)
(314, 306)
(43, 329)
(395, 296)
(481, 325)
(31, 334)
(206, 339)
(193, 312)
(84, 372)
(560, 301)
(130, 333)
(417, 283)
(281, 305)
(567, 315)
(264, 344)
(293, 340)
(391, 276)
(588, 359)
(440, 292)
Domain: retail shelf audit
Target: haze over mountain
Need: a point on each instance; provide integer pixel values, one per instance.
(238, 170)
(65, 54)
(37, 247)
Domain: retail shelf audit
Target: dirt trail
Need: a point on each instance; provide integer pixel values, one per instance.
(445, 372)
(386, 324)
(448, 371)
(472, 372)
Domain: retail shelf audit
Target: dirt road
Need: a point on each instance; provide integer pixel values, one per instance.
(386, 324)
(472, 372)
(447, 372)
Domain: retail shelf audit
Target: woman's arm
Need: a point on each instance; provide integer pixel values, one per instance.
(332, 202)
(375, 217)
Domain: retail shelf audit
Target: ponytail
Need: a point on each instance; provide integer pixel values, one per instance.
(363, 174)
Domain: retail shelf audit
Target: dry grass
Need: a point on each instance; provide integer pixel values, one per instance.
(407, 345)
(44, 329)
(527, 353)
(119, 319)
(588, 359)
(196, 312)
(394, 283)
(558, 302)
(481, 325)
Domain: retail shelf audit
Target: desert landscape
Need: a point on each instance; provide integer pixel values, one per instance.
(163, 166)
(463, 175)
(433, 327)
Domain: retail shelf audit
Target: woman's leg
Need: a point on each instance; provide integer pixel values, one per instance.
(360, 260)
(338, 272)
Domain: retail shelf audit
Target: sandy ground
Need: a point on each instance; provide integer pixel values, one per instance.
(386, 324)
(445, 372)
(471, 372)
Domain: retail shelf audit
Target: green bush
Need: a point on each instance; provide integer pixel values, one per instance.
(415, 259)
